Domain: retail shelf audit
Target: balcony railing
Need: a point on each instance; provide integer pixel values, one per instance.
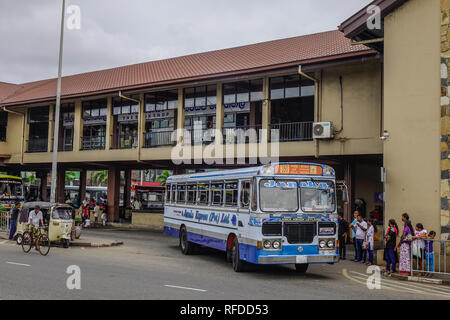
(204, 137)
(93, 143)
(125, 141)
(242, 134)
(158, 139)
(295, 131)
(38, 145)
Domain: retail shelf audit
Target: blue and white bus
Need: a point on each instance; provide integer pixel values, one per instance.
(282, 213)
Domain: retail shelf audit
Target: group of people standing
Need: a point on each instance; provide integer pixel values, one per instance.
(363, 234)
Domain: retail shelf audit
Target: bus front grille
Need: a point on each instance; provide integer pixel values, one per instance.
(271, 229)
(299, 232)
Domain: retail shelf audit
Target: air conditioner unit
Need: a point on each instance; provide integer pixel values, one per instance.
(322, 130)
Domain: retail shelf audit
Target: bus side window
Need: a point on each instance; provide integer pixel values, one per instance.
(203, 194)
(217, 193)
(181, 193)
(245, 194)
(231, 193)
(191, 191)
(254, 195)
(168, 189)
(173, 197)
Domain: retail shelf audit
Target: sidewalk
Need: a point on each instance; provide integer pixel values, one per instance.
(84, 241)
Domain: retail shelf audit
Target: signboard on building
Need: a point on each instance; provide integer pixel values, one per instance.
(159, 114)
(94, 120)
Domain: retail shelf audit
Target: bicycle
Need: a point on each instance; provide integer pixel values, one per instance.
(28, 240)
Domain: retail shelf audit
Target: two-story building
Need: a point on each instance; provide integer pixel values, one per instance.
(369, 83)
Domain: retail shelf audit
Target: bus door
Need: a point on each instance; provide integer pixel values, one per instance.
(244, 204)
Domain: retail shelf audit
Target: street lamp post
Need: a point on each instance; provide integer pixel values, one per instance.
(57, 111)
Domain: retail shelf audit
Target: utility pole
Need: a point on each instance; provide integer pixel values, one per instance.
(57, 110)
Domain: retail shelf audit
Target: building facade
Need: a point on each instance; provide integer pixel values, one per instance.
(365, 82)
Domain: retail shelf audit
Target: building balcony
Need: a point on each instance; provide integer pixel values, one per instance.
(294, 131)
(93, 143)
(37, 145)
(242, 134)
(158, 139)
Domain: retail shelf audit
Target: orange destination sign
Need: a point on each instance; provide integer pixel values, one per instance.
(305, 169)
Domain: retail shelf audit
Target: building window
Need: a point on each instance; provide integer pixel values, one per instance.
(94, 124)
(67, 116)
(3, 125)
(243, 91)
(200, 96)
(125, 122)
(292, 107)
(160, 118)
(38, 129)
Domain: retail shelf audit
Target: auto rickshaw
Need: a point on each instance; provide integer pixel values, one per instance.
(57, 216)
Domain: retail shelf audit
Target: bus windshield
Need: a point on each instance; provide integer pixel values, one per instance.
(278, 195)
(11, 189)
(317, 196)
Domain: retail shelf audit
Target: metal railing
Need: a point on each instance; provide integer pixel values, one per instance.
(126, 141)
(205, 137)
(37, 145)
(158, 139)
(295, 131)
(242, 134)
(4, 220)
(429, 257)
(93, 143)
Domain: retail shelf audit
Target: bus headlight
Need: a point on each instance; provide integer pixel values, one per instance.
(322, 244)
(330, 243)
(276, 244)
(267, 244)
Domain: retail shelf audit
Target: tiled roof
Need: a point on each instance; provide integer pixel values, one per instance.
(250, 58)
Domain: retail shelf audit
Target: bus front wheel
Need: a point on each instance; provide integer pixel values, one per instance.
(238, 264)
(186, 247)
(301, 268)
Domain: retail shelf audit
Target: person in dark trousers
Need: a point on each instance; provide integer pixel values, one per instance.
(343, 231)
(355, 220)
(13, 220)
(391, 247)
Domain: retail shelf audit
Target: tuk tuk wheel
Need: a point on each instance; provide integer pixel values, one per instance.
(65, 243)
(19, 239)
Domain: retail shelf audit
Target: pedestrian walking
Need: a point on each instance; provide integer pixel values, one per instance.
(353, 224)
(404, 265)
(343, 231)
(13, 220)
(104, 218)
(360, 233)
(368, 242)
(97, 213)
(390, 247)
(429, 253)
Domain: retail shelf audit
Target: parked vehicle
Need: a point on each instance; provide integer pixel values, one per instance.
(57, 216)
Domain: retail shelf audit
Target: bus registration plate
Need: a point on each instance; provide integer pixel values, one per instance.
(301, 259)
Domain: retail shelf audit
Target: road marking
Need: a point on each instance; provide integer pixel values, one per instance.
(393, 285)
(185, 288)
(414, 286)
(18, 264)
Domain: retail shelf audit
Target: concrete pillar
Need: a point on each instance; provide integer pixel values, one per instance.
(60, 184)
(266, 106)
(78, 126)
(141, 124)
(51, 127)
(43, 178)
(180, 113)
(82, 189)
(127, 189)
(349, 181)
(113, 194)
(109, 124)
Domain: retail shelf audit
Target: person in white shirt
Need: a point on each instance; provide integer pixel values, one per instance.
(418, 246)
(137, 204)
(97, 213)
(368, 242)
(360, 229)
(35, 220)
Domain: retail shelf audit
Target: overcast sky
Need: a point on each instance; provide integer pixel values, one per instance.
(121, 32)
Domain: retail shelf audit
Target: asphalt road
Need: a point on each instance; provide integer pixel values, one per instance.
(150, 266)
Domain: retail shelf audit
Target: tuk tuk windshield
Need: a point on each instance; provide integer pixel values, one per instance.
(62, 213)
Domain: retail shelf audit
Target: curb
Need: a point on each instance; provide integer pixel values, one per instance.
(421, 280)
(96, 245)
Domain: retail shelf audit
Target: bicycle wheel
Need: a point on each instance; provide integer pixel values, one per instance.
(27, 241)
(44, 245)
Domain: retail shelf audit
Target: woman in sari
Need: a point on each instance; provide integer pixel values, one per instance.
(405, 246)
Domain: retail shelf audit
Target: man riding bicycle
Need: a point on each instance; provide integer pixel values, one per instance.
(35, 219)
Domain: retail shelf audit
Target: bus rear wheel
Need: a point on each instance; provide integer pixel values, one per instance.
(186, 247)
(301, 268)
(238, 264)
